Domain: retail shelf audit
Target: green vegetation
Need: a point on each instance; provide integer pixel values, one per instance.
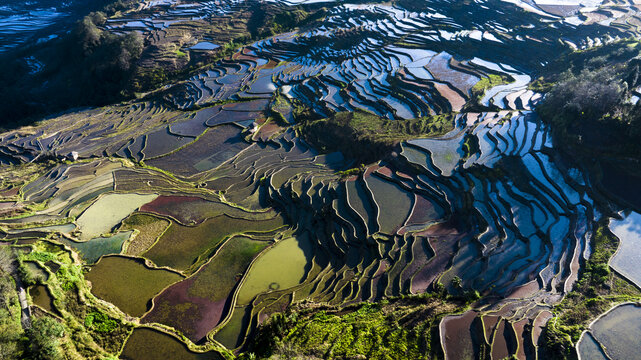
(100, 322)
(486, 83)
(594, 293)
(470, 146)
(27, 275)
(366, 137)
(281, 110)
(10, 328)
(45, 337)
(113, 7)
(587, 105)
(400, 328)
(405, 230)
(266, 22)
(85, 328)
(351, 172)
(148, 228)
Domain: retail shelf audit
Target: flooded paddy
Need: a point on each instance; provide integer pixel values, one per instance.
(149, 344)
(628, 257)
(21, 20)
(615, 334)
(182, 247)
(200, 303)
(128, 283)
(258, 219)
(103, 215)
(231, 335)
(92, 250)
(201, 156)
(41, 297)
(393, 204)
(192, 210)
(268, 273)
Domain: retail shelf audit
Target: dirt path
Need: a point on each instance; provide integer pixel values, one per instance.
(24, 305)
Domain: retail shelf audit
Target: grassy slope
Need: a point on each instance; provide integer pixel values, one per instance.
(400, 328)
(10, 327)
(366, 137)
(486, 83)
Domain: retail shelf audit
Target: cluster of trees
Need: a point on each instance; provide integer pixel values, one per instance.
(591, 108)
(106, 59)
(43, 340)
(45, 337)
(113, 7)
(10, 329)
(268, 20)
(86, 67)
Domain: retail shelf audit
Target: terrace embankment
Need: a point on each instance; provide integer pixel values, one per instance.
(597, 289)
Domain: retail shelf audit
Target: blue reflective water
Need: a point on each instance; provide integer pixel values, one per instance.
(627, 259)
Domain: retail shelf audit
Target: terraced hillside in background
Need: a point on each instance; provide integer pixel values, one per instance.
(376, 176)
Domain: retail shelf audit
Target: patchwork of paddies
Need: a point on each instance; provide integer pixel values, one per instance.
(405, 225)
(212, 214)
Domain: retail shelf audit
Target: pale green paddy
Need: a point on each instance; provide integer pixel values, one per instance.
(109, 211)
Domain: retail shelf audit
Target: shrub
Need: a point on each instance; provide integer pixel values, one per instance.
(587, 97)
(27, 277)
(100, 322)
(44, 336)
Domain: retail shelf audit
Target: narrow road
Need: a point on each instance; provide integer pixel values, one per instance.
(24, 304)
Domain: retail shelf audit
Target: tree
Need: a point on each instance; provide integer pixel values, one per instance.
(585, 97)
(457, 282)
(10, 327)
(88, 34)
(45, 335)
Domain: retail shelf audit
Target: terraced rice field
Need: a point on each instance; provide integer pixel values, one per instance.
(145, 343)
(108, 211)
(613, 336)
(199, 214)
(627, 258)
(128, 283)
(41, 297)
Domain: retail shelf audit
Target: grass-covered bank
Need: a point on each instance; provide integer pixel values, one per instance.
(597, 289)
(399, 328)
(366, 137)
